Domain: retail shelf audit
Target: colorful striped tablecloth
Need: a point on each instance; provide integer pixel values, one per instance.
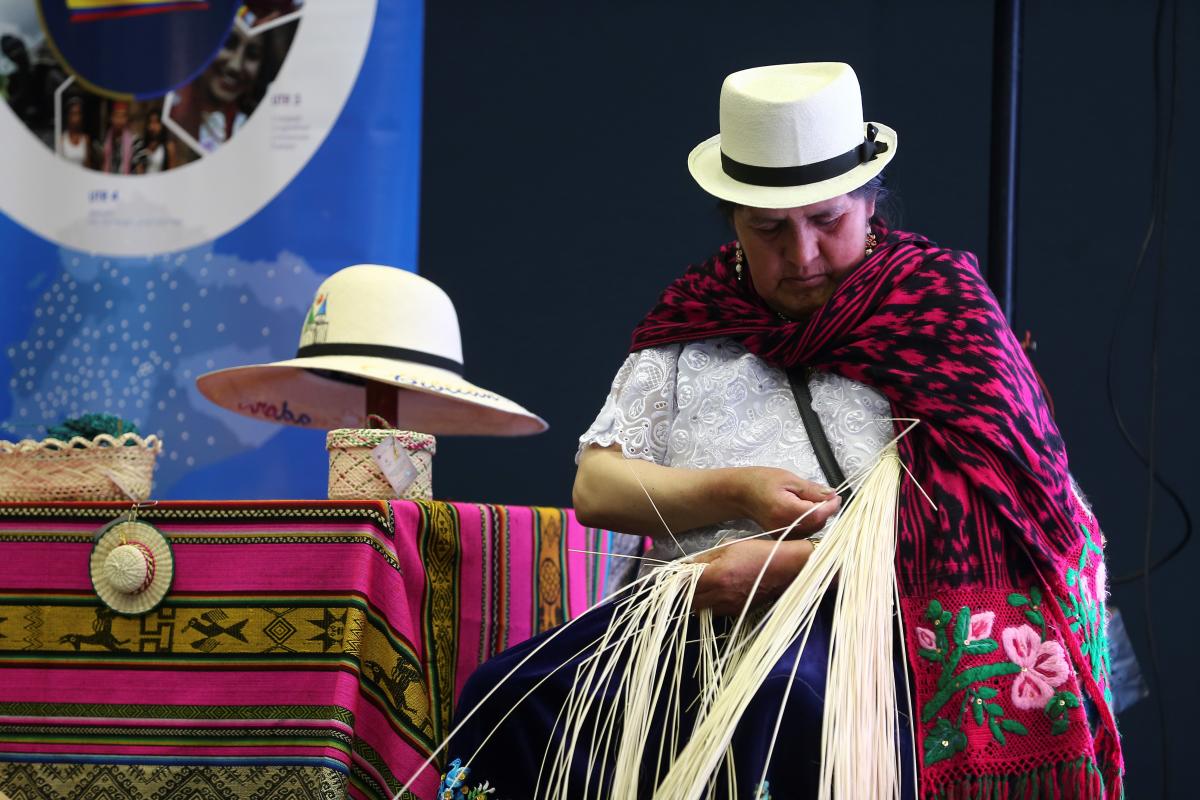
(305, 650)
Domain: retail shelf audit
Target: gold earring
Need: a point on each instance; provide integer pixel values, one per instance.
(738, 258)
(871, 241)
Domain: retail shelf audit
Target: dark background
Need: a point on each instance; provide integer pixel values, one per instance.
(556, 204)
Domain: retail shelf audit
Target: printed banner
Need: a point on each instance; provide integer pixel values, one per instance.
(178, 177)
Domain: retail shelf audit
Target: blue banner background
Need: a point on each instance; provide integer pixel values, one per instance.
(86, 333)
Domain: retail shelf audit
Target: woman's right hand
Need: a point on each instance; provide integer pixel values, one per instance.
(629, 495)
(775, 498)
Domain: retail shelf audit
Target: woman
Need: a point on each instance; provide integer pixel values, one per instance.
(75, 145)
(214, 108)
(119, 141)
(1000, 578)
(216, 105)
(157, 152)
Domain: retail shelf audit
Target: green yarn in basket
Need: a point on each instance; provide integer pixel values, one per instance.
(89, 426)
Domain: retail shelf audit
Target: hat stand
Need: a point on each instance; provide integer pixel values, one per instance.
(382, 400)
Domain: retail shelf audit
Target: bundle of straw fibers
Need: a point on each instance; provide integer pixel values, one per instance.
(859, 757)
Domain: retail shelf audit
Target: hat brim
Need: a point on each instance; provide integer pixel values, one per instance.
(437, 401)
(704, 163)
(164, 567)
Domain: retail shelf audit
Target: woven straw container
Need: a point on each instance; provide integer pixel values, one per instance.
(354, 475)
(103, 468)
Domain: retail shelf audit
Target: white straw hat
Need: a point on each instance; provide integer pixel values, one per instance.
(791, 135)
(131, 566)
(383, 324)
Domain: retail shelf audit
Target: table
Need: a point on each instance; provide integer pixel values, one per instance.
(305, 649)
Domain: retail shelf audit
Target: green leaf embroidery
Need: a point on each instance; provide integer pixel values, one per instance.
(1012, 726)
(962, 625)
(1059, 726)
(986, 692)
(1085, 615)
(980, 647)
(1058, 705)
(1015, 599)
(930, 655)
(943, 741)
(995, 710)
(961, 681)
(996, 734)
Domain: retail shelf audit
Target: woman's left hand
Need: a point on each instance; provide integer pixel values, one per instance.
(726, 582)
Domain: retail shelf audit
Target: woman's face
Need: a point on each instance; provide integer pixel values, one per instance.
(236, 67)
(798, 256)
(153, 125)
(74, 117)
(118, 117)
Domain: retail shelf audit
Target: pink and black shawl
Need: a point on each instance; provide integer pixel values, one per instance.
(1003, 586)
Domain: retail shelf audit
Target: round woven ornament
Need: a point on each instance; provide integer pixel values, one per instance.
(132, 566)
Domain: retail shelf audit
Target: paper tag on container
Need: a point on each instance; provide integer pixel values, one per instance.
(395, 464)
(124, 489)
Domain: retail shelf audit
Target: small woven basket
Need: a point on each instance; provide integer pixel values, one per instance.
(103, 468)
(354, 475)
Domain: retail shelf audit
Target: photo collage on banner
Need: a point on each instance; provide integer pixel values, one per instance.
(173, 177)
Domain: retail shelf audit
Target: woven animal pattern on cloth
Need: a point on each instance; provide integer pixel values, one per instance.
(71, 781)
(917, 323)
(304, 650)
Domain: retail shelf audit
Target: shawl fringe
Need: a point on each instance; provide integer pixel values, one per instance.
(1078, 779)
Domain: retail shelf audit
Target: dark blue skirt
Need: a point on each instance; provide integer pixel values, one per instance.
(512, 758)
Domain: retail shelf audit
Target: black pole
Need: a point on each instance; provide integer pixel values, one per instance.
(1006, 106)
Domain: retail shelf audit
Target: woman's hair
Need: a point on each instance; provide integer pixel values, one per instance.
(161, 138)
(887, 209)
(275, 45)
(887, 212)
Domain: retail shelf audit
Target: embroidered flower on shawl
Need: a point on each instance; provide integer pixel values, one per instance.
(981, 626)
(1043, 666)
(979, 629)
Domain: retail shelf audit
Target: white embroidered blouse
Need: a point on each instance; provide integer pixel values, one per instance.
(712, 403)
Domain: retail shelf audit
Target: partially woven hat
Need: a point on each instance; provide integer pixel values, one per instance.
(132, 566)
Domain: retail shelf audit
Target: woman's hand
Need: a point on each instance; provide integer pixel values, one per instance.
(615, 493)
(726, 582)
(775, 498)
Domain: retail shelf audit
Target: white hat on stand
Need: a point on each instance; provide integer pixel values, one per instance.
(383, 324)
